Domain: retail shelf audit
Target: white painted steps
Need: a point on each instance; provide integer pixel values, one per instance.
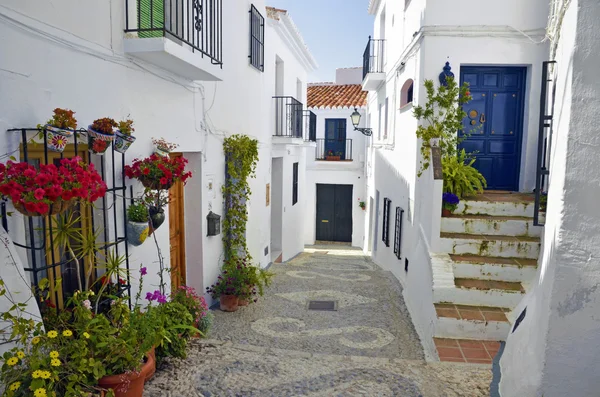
(475, 292)
(495, 208)
(493, 268)
(491, 225)
(490, 245)
(471, 322)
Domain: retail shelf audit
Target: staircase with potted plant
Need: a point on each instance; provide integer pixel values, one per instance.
(490, 249)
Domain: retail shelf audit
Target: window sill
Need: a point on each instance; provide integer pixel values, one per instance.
(406, 106)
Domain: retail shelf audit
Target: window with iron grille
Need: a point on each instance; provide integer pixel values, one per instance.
(387, 203)
(398, 233)
(295, 185)
(257, 39)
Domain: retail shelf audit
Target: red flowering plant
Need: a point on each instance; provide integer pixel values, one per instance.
(158, 172)
(49, 189)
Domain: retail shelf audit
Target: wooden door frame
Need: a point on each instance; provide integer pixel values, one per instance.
(182, 267)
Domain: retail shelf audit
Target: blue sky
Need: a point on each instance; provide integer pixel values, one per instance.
(336, 31)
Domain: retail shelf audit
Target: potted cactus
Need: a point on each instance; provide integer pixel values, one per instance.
(124, 137)
(59, 128)
(100, 134)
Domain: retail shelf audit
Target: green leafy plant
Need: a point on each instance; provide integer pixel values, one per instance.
(137, 213)
(241, 153)
(104, 125)
(460, 178)
(126, 127)
(196, 306)
(441, 118)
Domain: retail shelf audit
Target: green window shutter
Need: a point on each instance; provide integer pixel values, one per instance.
(151, 20)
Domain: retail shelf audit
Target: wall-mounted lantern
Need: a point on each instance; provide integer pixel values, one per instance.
(445, 74)
(355, 116)
(213, 224)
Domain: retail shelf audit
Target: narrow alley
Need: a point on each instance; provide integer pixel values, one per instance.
(366, 346)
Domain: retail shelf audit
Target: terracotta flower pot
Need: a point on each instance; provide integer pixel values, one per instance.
(129, 384)
(243, 302)
(151, 356)
(58, 207)
(154, 184)
(446, 212)
(228, 303)
(332, 158)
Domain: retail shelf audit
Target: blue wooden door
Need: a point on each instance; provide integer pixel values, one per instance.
(494, 123)
(335, 137)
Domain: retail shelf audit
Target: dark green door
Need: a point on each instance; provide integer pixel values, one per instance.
(334, 213)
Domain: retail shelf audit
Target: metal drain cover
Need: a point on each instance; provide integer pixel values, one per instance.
(322, 305)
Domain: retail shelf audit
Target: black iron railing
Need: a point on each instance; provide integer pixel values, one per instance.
(544, 141)
(288, 117)
(196, 23)
(374, 57)
(106, 219)
(334, 149)
(310, 126)
(257, 39)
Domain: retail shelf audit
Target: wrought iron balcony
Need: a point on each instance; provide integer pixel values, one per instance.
(288, 117)
(373, 63)
(191, 26)
(310, 126)
(334, 149)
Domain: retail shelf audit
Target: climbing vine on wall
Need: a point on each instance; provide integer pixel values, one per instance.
(241, 153)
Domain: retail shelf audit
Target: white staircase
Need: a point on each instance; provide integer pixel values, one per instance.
(490, 252)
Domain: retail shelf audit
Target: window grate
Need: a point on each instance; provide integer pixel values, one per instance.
(387, 203)
(398, 233)
(295, 184)
(108, 214)
(257, 39)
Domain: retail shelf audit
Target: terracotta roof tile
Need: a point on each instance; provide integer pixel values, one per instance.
(333, 96)
(273, 12)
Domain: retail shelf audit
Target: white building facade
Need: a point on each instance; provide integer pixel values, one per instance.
(193, 89)
(335, 184)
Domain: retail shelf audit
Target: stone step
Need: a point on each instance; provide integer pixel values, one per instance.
(493, 268)
(488, 245)
(495, 208)
(466, 350)
(473, 292)
(471, 322)
(491, 225)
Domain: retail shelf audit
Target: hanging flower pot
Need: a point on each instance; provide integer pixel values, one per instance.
(57, 138)
(123, 138)
(162, 147)
(100, 135)
(58, 207)
(157, 217)
(228, 303)
(137, 232)
(155, 184)
(158, 172)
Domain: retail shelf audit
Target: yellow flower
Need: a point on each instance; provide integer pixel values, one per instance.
(37, 374)
(12, 361)
(52, 334)
(35, 340)
(15, 386)
(91, 293)
(41, 392)
(46, 374)
(53, 354)
(55, 362)
(20, 354)
(86, 335)
(67, 332)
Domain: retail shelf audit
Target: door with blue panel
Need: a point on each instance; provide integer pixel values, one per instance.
(493, 128)
(335, 137)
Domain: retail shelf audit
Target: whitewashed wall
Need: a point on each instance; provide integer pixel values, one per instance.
(554, 351)
(91, 75)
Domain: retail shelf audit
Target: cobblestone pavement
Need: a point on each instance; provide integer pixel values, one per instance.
(216, 368)
(371, 319)
(276, 347)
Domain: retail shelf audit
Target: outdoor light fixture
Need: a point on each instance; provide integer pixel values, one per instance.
(213, 224)
(356, 120)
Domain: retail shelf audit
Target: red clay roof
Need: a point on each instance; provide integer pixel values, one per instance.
(333, 96)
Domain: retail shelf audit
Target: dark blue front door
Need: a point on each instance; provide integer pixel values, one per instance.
(335, 137)
(494, 123)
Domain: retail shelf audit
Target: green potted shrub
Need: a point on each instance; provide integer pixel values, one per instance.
(460, 177)
(59, 128)
(196, 306)
(124, 137)
(137, 224)
(100, 134)
(228, 287)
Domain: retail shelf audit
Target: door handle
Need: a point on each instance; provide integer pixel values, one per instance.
(324, 221)
(482, 118)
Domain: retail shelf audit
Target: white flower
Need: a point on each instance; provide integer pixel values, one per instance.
(113, 302)
(87, 304)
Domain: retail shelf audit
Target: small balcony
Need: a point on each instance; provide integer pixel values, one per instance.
(310, 126)
(184, 37)
(373, 64)
(289, 117)
(334, 150)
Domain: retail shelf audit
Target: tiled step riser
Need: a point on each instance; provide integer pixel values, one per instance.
(488, 271)
(497, 208)
(491, 227)
(469, 329)
(504, 249)
(475, 297)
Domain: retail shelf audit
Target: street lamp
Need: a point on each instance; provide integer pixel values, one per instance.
(356, 120)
